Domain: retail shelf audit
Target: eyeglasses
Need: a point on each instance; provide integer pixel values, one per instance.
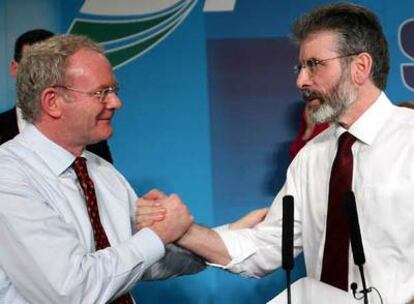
(101, 94)
(313, 64)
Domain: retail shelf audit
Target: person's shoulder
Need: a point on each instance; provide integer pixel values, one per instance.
(105, 171)
(13, 155)
(403, 111)
(316, 147)
(398, 130)
(325, 136)
(12, 146)
(403, 117)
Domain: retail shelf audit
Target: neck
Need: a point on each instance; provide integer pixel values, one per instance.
(366, 97)
(59, 137)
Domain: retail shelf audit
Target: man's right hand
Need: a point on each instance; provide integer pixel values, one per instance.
(149, 209)
(176, 219)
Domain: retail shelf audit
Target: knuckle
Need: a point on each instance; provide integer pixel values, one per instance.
(174, 198)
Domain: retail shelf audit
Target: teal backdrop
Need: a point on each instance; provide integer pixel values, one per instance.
(210, 106)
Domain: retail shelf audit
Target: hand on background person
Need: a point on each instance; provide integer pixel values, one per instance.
(307, 129)
(250, 220)
(309, 123)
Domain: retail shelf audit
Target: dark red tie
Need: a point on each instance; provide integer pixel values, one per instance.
(101, 240)
(335, 255)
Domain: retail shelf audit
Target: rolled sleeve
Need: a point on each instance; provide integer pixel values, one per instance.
(239, 248)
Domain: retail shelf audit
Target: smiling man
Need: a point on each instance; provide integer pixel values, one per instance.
(368, 149)
(11, 121)
(67, 217)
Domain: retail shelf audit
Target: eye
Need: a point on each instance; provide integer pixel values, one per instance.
(100, 93)
(312, 63)
(114, 90)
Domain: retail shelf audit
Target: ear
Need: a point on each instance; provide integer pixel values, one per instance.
(13, 68)
(361, 68)
(50, 102)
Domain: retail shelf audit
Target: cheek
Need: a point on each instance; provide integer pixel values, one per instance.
(89, 115)
(82, 120)
(327, 87)
(71, 116)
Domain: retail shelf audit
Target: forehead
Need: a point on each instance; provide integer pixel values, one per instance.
(89, 66)
(319, 45)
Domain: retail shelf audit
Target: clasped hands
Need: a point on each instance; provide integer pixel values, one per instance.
(170, 218)
(165, 214)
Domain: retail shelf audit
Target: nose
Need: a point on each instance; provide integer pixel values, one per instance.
(113, 101)
(303, 78)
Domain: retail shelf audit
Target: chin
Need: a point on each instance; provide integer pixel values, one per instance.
(106, 135)
(102, 135)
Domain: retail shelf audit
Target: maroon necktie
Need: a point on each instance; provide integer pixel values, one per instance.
(101, 240)
(335, 255)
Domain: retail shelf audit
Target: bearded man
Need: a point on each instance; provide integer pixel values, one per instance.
(342, 74)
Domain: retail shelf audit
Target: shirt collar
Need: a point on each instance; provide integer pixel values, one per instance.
(366, 128)
(57, 158)
(21, 123)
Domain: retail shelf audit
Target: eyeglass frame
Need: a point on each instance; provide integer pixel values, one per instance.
(313, 63)
(100, 93)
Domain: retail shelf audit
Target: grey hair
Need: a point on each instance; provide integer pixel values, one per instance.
(44, 65)
(358, 30)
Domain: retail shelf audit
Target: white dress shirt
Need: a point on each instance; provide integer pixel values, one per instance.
(383, 182)
(47, 250)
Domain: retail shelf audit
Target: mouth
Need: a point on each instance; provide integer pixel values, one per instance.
(311, 98)
(107, 117)
(313, 103)
(104, 120)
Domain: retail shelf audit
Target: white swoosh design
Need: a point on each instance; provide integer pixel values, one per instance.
(125, 7)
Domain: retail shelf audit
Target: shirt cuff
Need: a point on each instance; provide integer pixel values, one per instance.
(238, 246)
(221, 228)
(149, 245)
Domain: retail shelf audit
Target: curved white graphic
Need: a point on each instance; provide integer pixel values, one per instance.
(125, 7)
(126, 38)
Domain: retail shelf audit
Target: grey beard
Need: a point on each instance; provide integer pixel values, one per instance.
(328, 112)
(335, 104)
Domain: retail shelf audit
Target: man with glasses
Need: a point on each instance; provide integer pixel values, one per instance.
(343, 69)
(67, 217)
(68, 227)
(11, 121)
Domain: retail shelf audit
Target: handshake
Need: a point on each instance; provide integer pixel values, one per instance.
(165, 214)
(170, 218)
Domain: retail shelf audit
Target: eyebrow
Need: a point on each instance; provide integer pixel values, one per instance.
(114, 84)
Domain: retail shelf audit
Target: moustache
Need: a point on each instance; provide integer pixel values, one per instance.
(308, 95)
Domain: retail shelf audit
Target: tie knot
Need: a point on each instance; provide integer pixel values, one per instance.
(346, 140)
(79, 165)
